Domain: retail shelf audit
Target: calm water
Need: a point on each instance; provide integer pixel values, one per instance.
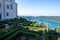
(51, 24)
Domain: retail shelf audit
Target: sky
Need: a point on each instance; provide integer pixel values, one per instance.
(38, 7)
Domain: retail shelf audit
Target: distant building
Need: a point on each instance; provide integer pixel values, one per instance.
(8, 9)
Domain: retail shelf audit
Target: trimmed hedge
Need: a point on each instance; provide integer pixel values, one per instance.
(7, 34)
(24, 33)
(12, 37)
(13, 33)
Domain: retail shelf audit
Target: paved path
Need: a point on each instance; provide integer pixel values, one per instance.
(42, 36)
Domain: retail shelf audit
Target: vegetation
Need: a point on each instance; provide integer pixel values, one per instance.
(15, 22)
(26, 28)
(11, 35)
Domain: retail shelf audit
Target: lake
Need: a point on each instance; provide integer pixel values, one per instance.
(51, 24)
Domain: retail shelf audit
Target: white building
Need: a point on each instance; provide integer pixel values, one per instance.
(8, 9)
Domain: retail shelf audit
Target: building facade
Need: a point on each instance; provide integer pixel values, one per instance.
(8, 9)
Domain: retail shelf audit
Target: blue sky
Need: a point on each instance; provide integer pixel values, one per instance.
(38, 7)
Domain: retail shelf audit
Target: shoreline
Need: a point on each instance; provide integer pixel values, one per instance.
(49, 20)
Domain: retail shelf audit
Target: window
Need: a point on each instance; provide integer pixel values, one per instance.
(7, 6)
(10, 0)
(11, 6)
(0, 4)
(0, 16)
(7, 14)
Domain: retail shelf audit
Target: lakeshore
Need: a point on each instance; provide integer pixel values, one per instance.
(21, 29)
(50, 20)
(50, 23)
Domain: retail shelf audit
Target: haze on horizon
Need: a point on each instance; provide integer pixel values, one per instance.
(38, 7)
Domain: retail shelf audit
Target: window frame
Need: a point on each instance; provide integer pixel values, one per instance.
(10, 0)
(0, 4)
(0, 16)
(11, 6)
(7, 6)
(7, 14)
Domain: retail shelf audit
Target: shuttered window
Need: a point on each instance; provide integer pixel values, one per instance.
(0, 4)
(11, 6)
(7, 6)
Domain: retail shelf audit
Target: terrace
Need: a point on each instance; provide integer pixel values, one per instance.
(27, 32)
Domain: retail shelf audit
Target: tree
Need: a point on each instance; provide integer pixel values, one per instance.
(42, 25)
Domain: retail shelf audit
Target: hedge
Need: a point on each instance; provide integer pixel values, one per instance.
(24, 33)
(7, 34)
(11, 37)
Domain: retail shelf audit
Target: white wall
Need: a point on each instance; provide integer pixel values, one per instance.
(11, 1)
(12, 12)
(2, 9)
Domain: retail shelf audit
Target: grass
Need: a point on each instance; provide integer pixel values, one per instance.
(36, 28)
(31, 31)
